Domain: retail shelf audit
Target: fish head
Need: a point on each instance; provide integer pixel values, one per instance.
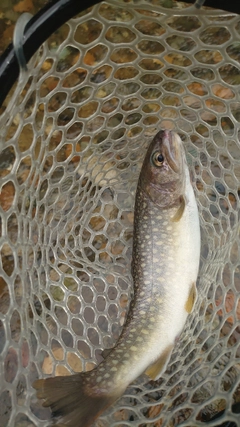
(163, 174)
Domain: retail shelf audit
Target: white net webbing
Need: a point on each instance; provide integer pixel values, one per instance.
(73, 137)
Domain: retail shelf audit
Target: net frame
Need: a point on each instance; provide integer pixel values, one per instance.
(49, 19)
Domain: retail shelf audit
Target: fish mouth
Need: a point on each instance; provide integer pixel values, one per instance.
(169, 145)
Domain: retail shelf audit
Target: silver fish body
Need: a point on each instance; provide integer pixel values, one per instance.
(166, 251)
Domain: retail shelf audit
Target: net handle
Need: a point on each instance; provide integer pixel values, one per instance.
(48, 20)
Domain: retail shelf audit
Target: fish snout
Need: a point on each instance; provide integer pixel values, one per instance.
(172, 150)
(169, 144)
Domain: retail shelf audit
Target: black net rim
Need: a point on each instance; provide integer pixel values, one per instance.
(48, 20)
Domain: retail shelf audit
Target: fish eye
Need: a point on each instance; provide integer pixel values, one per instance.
(158, 159)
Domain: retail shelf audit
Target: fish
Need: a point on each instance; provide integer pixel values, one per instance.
(165, 263)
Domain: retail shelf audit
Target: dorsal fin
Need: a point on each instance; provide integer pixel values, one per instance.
(106, 352)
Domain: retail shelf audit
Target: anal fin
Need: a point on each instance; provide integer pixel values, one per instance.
(155, 370)
(191, 298)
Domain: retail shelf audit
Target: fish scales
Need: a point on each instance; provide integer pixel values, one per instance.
(166, 251)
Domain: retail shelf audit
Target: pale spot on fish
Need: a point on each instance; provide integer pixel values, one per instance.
(155, 250)
(155, 259)
(107, 375)
(159, 217)
(113, 369)
(144, 331)
(159, 243)
(133, 348)
(99, 379)
(139, 339)
(142, 312)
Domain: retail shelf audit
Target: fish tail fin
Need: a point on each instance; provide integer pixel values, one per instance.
(74, 400)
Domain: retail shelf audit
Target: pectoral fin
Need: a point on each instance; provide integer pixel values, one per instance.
(191, 298)
(178, 215)
(156, 369)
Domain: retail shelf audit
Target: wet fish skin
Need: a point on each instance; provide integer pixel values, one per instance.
(166, 250)
(166, 247)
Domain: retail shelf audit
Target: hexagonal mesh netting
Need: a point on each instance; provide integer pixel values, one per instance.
(73, 138)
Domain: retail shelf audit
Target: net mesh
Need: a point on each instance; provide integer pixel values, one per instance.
(73, 137)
